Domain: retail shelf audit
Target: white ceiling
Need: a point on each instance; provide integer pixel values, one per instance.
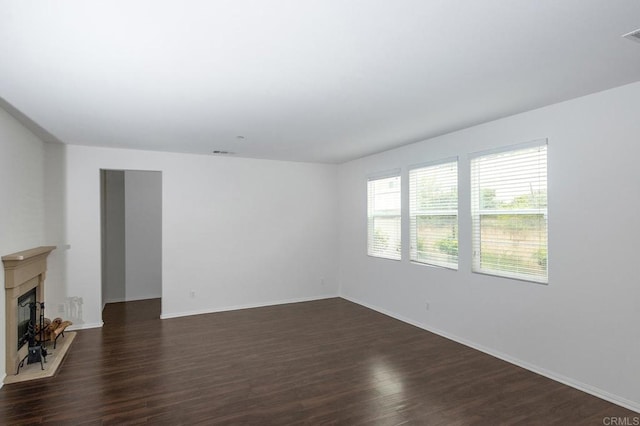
(320, 81)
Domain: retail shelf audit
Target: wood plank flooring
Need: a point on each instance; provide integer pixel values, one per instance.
(323, 362)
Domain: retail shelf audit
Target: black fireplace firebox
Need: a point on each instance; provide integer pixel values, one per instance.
(28, 318)
(24, 316)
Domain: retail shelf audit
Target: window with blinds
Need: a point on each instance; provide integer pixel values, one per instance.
(509, 212)
(384, 212)
(433, 213)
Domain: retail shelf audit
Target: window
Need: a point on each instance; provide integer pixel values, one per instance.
(433, 212)
(509, 212)
(383, 212)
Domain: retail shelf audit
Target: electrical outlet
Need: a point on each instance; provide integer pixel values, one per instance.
(192, 294)
(322, 282)
(427, 305)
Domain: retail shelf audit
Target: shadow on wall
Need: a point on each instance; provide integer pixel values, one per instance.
(59, 302)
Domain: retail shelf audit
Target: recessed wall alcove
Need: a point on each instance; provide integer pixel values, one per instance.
(23, 271)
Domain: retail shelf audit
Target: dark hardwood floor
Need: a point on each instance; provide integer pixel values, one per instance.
(323, 362)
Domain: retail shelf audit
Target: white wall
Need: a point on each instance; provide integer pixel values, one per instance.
(143, 234)
(113, 238)
(236, 232)
(55, 229)
(581, 328)
(21, 192)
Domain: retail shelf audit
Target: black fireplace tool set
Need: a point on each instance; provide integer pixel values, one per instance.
(37, 352)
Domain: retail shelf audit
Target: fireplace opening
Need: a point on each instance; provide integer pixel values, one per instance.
(24, 316)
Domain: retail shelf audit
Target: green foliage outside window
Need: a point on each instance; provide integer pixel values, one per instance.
(448, 246)
(380, 240)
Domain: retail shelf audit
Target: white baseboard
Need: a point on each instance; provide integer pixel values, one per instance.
(592, 390)
(247, 306)
(129, 299)
(85, 326)
(116, 300)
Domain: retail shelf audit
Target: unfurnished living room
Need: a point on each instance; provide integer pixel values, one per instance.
(416, 212)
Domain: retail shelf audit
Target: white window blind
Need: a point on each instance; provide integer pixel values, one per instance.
(509, 212)
(433, 213)
(383, 211)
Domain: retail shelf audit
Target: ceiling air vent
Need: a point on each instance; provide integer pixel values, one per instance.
(633, 36)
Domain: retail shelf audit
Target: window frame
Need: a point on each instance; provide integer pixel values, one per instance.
(477, 212)
(372, 214)
(413, 215)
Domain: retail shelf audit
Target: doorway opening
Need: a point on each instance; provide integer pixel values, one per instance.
(131, 220)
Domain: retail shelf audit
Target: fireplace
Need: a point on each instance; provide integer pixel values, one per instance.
(24, 274)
